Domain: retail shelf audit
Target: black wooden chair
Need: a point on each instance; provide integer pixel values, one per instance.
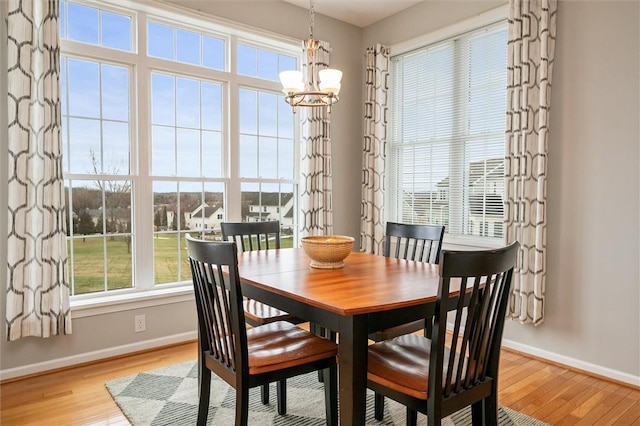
(247, 358)
(420, 243)
(250, 236)
(430, 377)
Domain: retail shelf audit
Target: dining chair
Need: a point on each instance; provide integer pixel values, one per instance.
(431, 376)
(250, 236)
(416, 242)
(242, 357)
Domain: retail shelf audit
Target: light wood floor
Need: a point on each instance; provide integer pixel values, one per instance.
(548, 392)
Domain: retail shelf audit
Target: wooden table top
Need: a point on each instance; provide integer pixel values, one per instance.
(367, 283)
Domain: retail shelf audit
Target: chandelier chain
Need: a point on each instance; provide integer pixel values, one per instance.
(311, 18)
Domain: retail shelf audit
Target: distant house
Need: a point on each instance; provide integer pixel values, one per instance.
(485, 214)
(486, 206)
(204, 216)
(272, 206)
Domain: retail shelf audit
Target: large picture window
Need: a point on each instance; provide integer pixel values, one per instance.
(163, 136)
(448, 117)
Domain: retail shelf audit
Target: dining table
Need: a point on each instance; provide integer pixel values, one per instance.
(369, 293)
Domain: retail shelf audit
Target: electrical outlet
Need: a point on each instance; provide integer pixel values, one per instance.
(140, 323)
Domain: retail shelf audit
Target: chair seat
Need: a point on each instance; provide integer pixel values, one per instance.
(281, 345)
(402, 364)
(257, 313)
(396, 331)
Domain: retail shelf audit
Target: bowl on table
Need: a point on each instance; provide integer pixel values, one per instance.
(327, 251)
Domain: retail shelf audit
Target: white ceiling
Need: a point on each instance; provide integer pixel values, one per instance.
(357, 12)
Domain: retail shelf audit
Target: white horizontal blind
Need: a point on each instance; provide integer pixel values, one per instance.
(448, 117)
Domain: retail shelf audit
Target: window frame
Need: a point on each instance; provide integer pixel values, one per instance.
(144, 292)
(488, 18)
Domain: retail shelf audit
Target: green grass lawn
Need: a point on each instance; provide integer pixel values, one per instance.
(88, 260)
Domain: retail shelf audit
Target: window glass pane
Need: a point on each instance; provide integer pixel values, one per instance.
(286, 158)
(188, 103)
(115, 89)
(248, 156)
(83, 23)
(163, 99)
(213, 53)
(84, 145)
(212, 106)
(87, 254)
(268, 65)
(268, 154)
(160, 40)
(285, 120)
(286, 63)
(268, 110)
(116, 31)
(212, 154)
(247, 60)
(248, 111)
(188, 149)
(84, 88)
(115, 143)
(188, 47)
(163, 152)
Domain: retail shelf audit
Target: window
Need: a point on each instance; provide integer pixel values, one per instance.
(159, 138)
(448, 118)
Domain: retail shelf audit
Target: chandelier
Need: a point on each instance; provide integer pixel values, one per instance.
(320, 89)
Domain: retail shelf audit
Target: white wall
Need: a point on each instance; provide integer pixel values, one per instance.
(593, 221)
(593, 235)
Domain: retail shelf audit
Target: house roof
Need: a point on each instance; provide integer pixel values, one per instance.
(205, 212)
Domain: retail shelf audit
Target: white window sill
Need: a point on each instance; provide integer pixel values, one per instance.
(127, 301)
(471, 243)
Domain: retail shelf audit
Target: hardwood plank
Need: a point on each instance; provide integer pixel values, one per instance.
(547, 391)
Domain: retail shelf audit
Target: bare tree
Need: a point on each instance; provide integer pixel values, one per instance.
(117, 194)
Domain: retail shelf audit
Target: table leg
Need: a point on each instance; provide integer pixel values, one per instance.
(352, 361)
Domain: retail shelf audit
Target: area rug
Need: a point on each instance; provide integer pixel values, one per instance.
(169, 396)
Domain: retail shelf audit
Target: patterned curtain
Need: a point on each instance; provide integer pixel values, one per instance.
(532, 31)
(374, 150)
(37, 287)
(316, 210)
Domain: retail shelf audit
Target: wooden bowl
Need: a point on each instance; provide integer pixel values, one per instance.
(327, 251)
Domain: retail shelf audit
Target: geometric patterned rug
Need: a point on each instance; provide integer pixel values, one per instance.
(169, 397)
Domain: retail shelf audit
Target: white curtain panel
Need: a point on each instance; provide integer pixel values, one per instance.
(532, 32)
(37, 285)
(316, 209)
(374, 149)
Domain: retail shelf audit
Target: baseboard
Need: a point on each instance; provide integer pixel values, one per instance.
(55, 364)
(586, 367)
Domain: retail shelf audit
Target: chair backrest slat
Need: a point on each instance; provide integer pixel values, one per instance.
(216, 281)
(250, 236)
(478, 317)
(421, 243)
